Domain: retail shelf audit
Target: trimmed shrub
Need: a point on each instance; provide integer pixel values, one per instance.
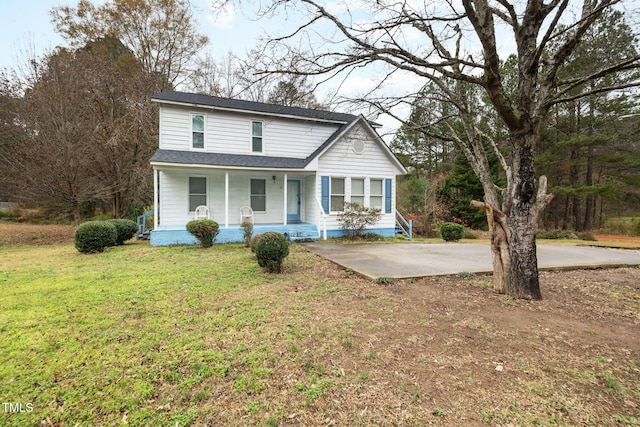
(205, 230)
(451, 231)
(557, 235)
(271, 249)
(126, 229)
(254, 241)
(355, 218)
(247, 232)
(94, 236)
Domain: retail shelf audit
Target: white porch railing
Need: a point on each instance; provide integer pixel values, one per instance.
(323, 215)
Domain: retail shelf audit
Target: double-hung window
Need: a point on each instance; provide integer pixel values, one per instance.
(357, 191)
(259, 195)
(197, 131)
(197, 192)
(337, 194)
(256, 137)
(375, 194)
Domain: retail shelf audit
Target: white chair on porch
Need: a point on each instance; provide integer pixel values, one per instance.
(202, 212)
(246, 214)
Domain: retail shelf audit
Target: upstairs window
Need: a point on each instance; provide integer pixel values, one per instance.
(259, 195)
(256, 137)
(197, 192)
(197, 131)
(337, 194)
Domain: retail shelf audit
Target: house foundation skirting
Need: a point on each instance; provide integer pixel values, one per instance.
(178, 235)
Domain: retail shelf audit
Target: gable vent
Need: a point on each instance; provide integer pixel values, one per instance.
(358, 146)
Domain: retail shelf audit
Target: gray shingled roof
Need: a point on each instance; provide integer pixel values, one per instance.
(258, 107)
(228, 160)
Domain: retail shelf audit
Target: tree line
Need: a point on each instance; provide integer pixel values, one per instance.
(77, 126)
(589, 147)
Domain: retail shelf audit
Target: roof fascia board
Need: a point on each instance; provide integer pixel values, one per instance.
(217, 167)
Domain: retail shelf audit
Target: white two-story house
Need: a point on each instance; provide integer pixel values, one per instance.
(285, 169)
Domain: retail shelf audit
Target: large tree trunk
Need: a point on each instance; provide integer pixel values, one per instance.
(513, 228)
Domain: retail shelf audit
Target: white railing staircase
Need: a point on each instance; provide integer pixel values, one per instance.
(403, 226)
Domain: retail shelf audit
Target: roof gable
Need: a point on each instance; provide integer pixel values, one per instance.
(345, 129)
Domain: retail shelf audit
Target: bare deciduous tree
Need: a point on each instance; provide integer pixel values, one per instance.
(160, 33)
(453, 45)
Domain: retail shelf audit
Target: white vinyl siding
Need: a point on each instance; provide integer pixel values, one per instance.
(373, 165)
(226, 132)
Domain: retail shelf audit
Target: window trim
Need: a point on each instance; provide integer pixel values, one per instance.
(206, 193)
(251, 195)
(379, 196)
(332, 194)
(360, 195)
(261, 137)
(204, 131)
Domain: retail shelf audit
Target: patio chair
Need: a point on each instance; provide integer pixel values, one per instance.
(202, 212)
(246, 214)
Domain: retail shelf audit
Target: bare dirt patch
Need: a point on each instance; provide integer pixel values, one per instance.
(449, 351)
(12, 234)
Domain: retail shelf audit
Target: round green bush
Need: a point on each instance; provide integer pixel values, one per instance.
(126, 229)
(205, 230)
(254, 241)
(271, 249)
(451, 232)
(94, 236)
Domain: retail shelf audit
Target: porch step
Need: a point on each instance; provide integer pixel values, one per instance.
(296, 232)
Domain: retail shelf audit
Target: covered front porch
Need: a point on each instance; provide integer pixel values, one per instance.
(273, 200)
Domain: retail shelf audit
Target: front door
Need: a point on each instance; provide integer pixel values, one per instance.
(293, 200)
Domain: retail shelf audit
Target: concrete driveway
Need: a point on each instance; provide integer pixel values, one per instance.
(404, 260)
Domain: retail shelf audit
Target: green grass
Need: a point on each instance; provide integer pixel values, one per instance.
(136, 333)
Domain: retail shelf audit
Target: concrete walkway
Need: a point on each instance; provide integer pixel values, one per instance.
(404, 260)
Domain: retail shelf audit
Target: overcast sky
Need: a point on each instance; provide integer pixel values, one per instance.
(25, 25)
(26, 30)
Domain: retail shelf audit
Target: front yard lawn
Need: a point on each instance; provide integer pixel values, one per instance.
(180, 336)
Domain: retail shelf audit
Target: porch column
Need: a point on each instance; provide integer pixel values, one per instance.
(286, 187)
(156, 214)
(226, 200)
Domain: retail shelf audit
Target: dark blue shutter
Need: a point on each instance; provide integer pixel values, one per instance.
(387, 195)
(324, 181)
